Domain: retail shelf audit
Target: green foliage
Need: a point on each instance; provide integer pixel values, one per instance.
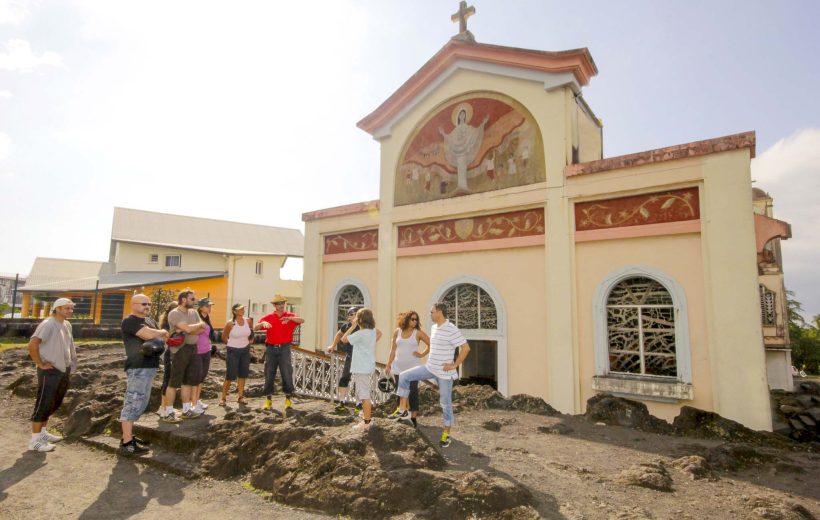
(160, 298)
(804, 337)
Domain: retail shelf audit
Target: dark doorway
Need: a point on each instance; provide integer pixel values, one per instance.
(481, 366)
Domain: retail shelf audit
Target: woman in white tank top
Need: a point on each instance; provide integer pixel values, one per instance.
(404, 354)
(237, 335)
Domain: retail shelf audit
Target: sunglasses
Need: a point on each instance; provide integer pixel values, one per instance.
(414, 319)
(145, 304)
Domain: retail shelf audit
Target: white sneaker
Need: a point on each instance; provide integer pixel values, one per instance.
(40, 444)
(49, 437)
(198, 409)
(362, 426)
(202, 405)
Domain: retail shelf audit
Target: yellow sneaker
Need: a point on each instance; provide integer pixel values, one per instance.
(288, 403)
(445, 439)
(267, 404)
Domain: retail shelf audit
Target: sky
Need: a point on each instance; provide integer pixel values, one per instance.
(246, 111)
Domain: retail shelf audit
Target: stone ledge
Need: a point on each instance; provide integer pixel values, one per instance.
(644, 388)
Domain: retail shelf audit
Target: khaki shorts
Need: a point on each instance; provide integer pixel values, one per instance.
(362, 384)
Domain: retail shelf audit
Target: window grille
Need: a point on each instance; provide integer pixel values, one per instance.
(641, 328)
(349, 296)
(767, 312)
(470, 307)
(154, 259)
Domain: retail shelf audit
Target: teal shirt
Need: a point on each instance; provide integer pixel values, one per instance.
(364, 351)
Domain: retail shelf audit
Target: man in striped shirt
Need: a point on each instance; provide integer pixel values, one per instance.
(445, 338)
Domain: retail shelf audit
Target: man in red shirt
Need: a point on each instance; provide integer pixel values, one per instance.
(278, 327)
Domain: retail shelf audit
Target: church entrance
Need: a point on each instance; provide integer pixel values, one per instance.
(474, 312)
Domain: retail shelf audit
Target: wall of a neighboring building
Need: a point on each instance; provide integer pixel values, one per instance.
(214, 288)
(136, 257)
(257, 290)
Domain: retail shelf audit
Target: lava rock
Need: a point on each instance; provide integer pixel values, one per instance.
(617, 411)
(695, 466)
(651, 475)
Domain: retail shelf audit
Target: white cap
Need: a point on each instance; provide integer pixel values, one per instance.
(62, 301)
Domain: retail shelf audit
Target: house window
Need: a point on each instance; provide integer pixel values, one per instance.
(254, 308)
(470, 307)
(264, 308)
(640, 317)
(154, 258)
(349, 296)
(258, 268)
(173, 260)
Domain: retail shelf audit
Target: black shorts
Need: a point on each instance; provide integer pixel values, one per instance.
(238, 363)
(344, 379)
(204, 366)
(52, 386)
(185, 367)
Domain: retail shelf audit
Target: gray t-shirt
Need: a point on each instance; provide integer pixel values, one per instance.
(57, 344)
(191, 317)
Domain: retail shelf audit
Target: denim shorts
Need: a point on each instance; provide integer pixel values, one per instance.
(137, 393)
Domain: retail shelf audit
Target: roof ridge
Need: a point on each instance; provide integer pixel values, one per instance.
(205, 218)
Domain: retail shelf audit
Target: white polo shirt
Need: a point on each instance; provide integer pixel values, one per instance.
(444, 339)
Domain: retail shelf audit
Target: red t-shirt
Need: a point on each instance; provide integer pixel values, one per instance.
(279, 332)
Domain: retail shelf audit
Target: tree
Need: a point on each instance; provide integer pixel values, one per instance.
(160, 298)
(805, 337)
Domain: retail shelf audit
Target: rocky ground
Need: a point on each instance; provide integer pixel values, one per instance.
(510, 458)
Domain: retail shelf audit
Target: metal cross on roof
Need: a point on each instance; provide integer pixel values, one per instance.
(464, 12)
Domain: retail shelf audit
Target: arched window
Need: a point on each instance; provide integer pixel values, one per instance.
(349, 296)
(640, 317)
(470, 307)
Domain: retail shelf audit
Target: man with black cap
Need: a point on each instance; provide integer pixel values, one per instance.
(278, 326)
(144, 344)
(53, 351)
(347, 349)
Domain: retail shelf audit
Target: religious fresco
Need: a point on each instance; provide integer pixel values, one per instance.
(474, 143)
(512, 224)
(638, 210)
(353, 242)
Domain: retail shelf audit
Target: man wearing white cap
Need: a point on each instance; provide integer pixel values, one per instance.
(53, 351)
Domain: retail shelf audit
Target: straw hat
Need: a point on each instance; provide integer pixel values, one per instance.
(278, 298)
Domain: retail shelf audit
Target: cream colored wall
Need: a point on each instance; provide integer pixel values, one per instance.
(590, 137)
(334, 274)
(135, 257)
(245, 286)
(678, 256)
(518, 276)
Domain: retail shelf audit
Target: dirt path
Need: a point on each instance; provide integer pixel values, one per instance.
(74, 481)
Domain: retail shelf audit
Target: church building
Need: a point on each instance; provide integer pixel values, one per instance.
(569, 274)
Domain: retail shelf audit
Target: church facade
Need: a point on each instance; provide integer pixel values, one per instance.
(568, 273)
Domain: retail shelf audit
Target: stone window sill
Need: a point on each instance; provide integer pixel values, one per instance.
(644, 388)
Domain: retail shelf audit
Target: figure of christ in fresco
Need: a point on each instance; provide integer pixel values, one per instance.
(461, 146)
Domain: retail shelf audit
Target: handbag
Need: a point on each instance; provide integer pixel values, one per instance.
(176, 339)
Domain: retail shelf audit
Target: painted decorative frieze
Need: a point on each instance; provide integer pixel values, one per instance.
(638, 210)
(353, 242)
(471, 144)
(514, 224)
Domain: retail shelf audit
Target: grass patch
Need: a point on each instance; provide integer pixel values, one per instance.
(9, 343)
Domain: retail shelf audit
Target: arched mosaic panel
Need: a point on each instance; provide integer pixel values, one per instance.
(470, 307)
(349, 296)
(473, 143)
(640, 317)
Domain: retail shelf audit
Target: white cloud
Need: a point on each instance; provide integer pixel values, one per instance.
(790, 172)
(13, 12)
(5, 146)
(19, 57)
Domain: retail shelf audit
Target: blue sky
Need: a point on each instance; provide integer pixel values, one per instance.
(246, 110)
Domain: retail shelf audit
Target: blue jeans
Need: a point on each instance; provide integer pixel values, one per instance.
(445, 389)
(137, 392)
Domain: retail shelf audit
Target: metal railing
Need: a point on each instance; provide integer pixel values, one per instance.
(317, 375)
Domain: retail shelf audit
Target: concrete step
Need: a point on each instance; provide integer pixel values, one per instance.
(158, 457)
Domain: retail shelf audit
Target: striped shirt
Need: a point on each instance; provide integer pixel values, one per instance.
(444, 339)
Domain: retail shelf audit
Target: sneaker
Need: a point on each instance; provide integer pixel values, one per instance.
(394, 415)
(190, 414)
(362, 426)
(341, 408)
(49, 437)
(141, 442)
(288, 403)
(198, 409)
(132, 448)
(202, 405)
(171, 417)
(445, 440)
(402, 416)
(161, 412)
(40, 444)
(267, 404)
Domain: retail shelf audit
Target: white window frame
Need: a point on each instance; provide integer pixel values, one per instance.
(499, 335)
(333, 297)
(643, 386)
(258, 268)
(168, 257)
